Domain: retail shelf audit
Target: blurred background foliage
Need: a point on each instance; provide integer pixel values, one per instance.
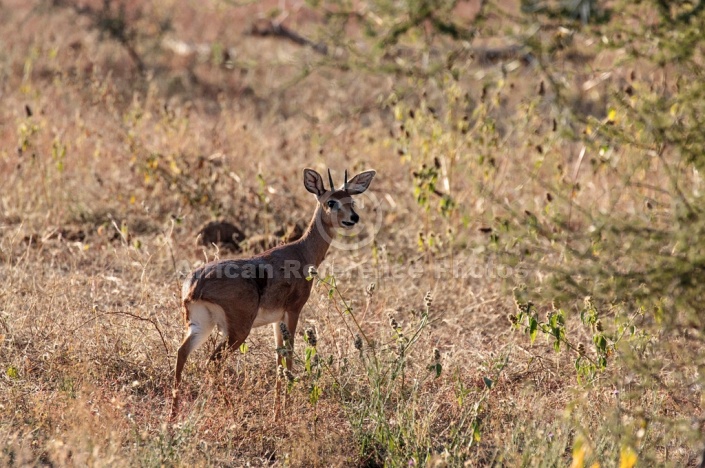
(610, 145)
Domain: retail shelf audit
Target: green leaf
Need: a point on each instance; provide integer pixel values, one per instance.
(13, 373)
(602, 362)
(437, 368)
(600, 343)
(533, 328)
(476, 435)
(310, 352)
(315, 394)
(488, 382)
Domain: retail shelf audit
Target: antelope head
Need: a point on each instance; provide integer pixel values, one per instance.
(336, 205)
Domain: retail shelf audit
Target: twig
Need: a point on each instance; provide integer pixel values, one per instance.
(576, 172)
(129, 314)
(167, 242)
(276, 29)
(144, 319)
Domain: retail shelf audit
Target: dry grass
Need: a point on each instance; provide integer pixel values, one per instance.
(90, 241)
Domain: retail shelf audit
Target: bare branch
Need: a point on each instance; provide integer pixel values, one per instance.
(266, 28)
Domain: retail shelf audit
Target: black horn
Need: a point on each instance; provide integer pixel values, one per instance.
(330, 179)
(345, 187)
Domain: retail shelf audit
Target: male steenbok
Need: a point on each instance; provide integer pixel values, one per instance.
(237, 295)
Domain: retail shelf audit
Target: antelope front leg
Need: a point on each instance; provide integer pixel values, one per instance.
(284, 333)
(279, 346)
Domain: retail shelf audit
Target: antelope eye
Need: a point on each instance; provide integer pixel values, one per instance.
(332, 203)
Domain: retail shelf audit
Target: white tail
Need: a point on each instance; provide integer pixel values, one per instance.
(237, 295)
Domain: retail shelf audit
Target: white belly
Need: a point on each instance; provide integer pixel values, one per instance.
(265, 317)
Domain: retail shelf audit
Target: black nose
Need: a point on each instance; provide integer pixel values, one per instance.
(355, 218)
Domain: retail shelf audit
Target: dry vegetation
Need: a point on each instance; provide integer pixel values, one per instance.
(120, 140)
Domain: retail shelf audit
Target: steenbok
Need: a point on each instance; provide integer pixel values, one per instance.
(237, 295)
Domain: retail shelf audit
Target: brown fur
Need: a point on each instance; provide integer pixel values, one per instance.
(272, 282)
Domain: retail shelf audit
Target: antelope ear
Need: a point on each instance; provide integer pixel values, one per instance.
(313, 182)
(360, 182)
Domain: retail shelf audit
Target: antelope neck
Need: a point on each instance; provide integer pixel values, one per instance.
(317, 238)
